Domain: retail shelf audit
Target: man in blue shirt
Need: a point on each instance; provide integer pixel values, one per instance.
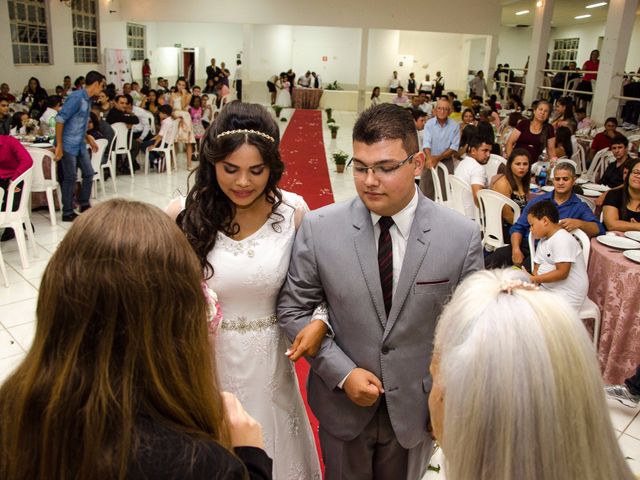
(574, 213)
(440, 141)
(71, 144)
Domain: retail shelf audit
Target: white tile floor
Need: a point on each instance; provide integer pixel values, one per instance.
(18, 302)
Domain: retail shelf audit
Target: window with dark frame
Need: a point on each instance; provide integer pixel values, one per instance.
(136, 40)
(29, 32)
(85, 31)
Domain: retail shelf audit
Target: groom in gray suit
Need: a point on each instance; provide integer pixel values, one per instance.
(385, 263)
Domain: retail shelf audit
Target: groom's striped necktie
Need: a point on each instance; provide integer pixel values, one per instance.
(385, 261)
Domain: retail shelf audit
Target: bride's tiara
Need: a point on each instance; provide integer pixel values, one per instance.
(256, 132)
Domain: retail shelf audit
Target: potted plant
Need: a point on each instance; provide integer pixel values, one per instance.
(340, 159)
(328, 111)
(334, 130)
(277, 109)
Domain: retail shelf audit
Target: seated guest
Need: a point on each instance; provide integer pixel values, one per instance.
(476, 104)
(165, 127)
(558, 262)
(613, 175)
(467, 118)
(400, 98)
(564, 144)
(137, 96)
(93, 127)
(14, 161)
(563, 111)
(535, 135)
(456, 114)
(102, 129)
(120, 112)
(584, 123)
(151, 104)
(120, 380)
(621, 206)
(142, 131)
(425, 104)
(375, 96)
(60, 91)
(78, 83)
(32, 91)
(603, 139)
(471, 170)
(207, 111)
(5, 117)
(466, 135)
(66, 85)
(419, 118)
(5, 92)
(512, 122)
(105, 102)
(573, 213)
(514, 183)
(19, 124)
(513, 366)
(48, 118)
(126, 88)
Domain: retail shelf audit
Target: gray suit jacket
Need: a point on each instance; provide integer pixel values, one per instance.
(335, 259)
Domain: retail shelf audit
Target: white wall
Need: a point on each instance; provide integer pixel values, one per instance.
(513, 46)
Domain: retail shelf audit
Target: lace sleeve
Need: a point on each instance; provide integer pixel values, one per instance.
(322, 313)
(301, 208)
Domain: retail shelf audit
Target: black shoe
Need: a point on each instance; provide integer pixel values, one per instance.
(70, 217)
(84, 208)
(7, 235)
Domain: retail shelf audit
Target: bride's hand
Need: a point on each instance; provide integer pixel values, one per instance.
(308, 340)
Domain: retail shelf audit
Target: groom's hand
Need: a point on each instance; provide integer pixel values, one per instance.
(308, 340)
(362, 387)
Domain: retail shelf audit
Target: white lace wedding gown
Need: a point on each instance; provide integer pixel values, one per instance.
(250, 346)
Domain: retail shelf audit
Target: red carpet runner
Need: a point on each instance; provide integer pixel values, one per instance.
(306, 174)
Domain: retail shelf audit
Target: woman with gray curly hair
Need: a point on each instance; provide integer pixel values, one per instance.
(517, 392)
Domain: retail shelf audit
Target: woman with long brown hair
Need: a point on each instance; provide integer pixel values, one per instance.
(119, 380)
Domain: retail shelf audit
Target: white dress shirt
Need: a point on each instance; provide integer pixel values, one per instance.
(146, 120)
(399, 232)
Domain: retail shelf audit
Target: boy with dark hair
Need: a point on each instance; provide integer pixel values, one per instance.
(558, 262)
(613, 175)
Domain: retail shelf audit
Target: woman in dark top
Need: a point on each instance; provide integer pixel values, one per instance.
(621, 207)
(32, 91)
(563, 112)
(535, 134)
(514, 184)
(564, 147)
(120, 380)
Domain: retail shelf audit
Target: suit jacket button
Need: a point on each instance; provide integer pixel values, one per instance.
(385, 350)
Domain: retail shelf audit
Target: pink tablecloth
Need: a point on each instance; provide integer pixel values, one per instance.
(614, 285)
(308, 98)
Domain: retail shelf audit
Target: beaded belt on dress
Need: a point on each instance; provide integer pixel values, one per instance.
(243, 325)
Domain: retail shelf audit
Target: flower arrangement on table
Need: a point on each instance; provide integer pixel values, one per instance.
(31, 125)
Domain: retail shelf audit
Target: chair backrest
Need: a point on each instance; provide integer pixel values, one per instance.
(599, 165)
(580, 158)
(491, 168)
(490, 215)
(572, 84)
(170, 138)
(39, 183)
(439, 188)
(459, 188)
(25, 197)
(121, 139)
(96, 157)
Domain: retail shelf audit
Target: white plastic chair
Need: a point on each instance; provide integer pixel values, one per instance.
(228, 98)
(99, 167)
(492, 166)
(441, 190)
(166, 148)
(460, 189)
(41, 184)
(21, 217)
(3, 269)
(491, 206)
(590, 203)
(589, 309)
(121, 145)
(579, 156)
(598, 165)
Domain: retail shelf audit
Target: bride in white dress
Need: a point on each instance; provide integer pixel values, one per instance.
(242, 227)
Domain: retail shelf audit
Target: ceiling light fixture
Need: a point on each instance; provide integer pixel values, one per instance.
(580, 17)
(522, 12)
(539, 3)
(596, 5)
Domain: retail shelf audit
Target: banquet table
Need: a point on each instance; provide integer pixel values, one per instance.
(308, 98)
(614, 286)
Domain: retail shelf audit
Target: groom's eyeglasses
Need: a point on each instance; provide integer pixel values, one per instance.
(380, 170)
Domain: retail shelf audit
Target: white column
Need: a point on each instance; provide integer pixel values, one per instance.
(539, 46)
(362, 79)
(247, 41)
(490, 56)
(613, 58)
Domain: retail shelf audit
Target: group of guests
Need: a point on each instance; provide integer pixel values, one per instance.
(281, 86)
(146, 347)
(219, 80)
(433, 88)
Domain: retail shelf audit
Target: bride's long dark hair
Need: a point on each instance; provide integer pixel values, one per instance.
(208, 210)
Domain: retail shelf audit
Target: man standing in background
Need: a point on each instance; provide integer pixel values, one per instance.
(237, 79)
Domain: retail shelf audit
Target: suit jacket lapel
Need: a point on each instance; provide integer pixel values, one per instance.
(365, 248)
(417, 246)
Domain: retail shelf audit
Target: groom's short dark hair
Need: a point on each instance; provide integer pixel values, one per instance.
(386, 122)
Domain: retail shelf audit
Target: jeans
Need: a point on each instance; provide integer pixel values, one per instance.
(70, 164)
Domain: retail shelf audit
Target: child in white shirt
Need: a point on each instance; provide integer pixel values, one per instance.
(559, 262)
